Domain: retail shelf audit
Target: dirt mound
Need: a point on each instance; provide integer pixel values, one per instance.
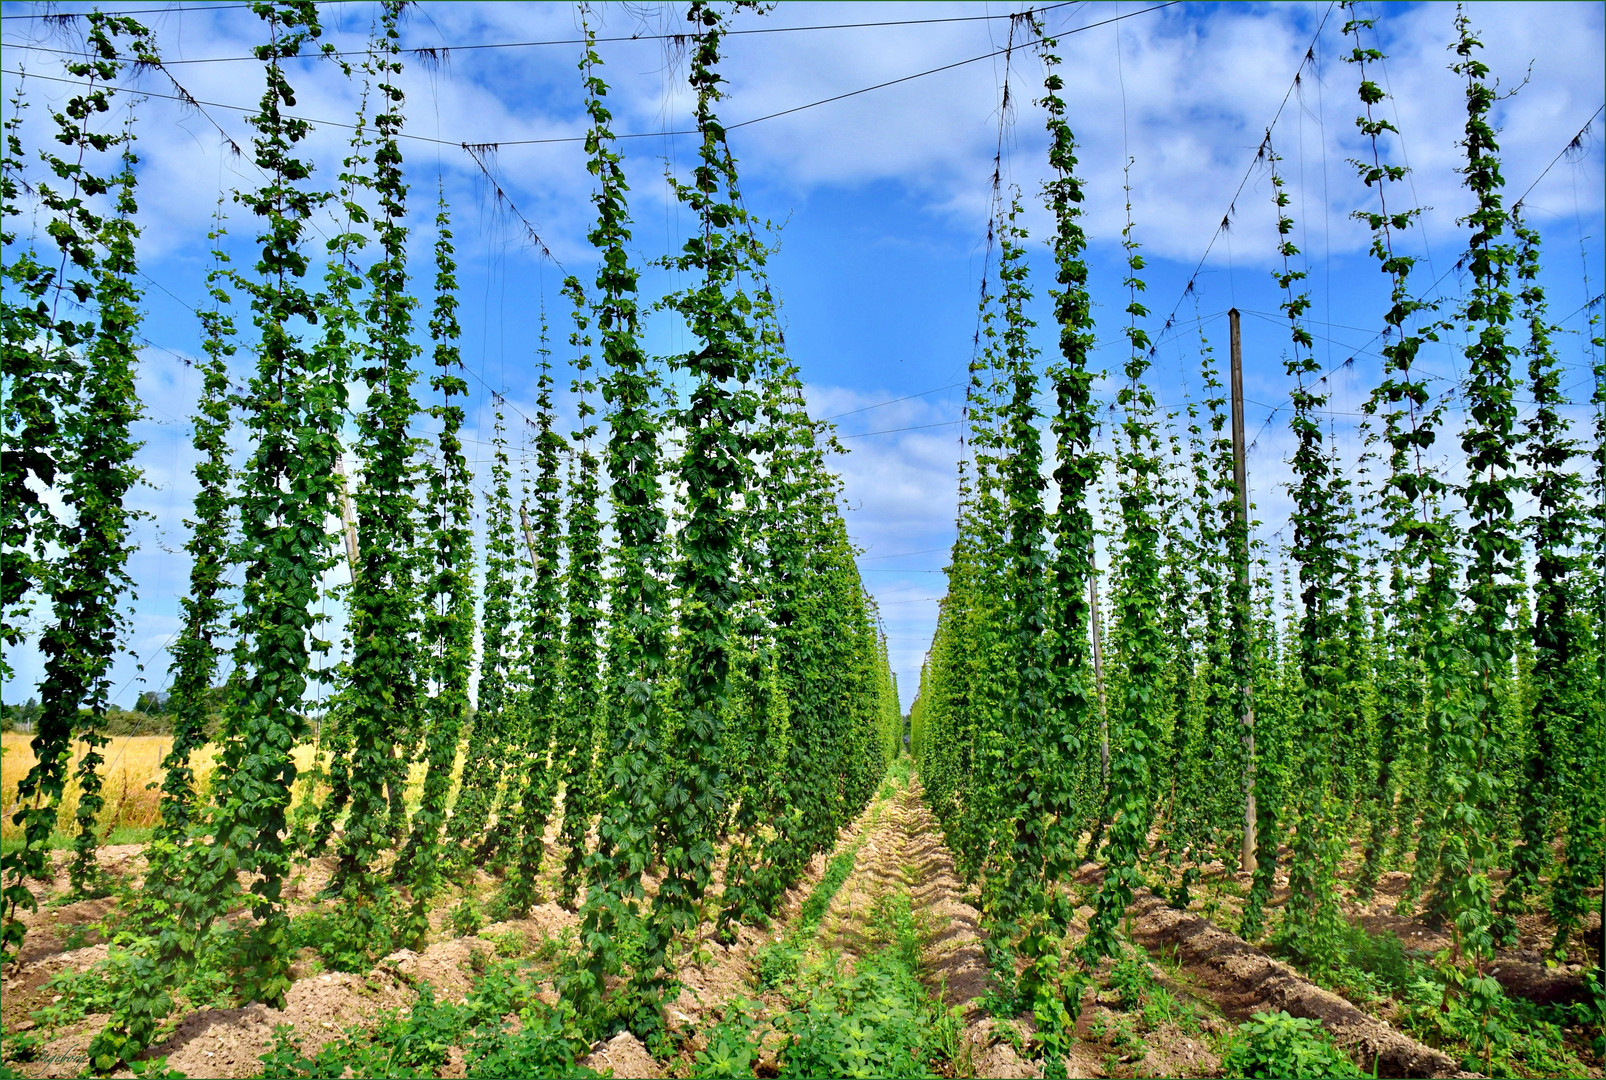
(1521, 972)
(988, 1054)
(1242, 980)
(1175, 1051)
(625, 1055)
(24, 991)
(230, 1042)
(446, 966)
(724, 973)
(544, 922)
(51, 929)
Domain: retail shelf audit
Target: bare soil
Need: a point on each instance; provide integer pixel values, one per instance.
(625, 1055)
(899, 847)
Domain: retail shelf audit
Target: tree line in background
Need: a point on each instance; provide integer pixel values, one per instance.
(1414, 679)
(675, 665)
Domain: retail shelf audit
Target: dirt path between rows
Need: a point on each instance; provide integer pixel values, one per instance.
(724, 973)
(899, 847)
(1522, 968)
(905, 851)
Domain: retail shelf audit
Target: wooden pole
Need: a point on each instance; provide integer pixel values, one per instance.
(529, 537)
(1240, 476)
(347, 518)
(1098, 673)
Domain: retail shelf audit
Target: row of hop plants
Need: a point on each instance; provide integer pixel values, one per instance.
(678, 668)
(1414, 680)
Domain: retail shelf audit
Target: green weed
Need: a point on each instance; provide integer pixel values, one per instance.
(466, 918)
(1471, 1018)
(1139, 991)
(1121, 1033)
(777, 962)
(1364, 966)
(345, 938)
(877, 1021)
(417, 1041)
(1285, 1047)
(731, 1049)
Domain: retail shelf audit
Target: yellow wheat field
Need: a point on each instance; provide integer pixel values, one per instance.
(132, 778)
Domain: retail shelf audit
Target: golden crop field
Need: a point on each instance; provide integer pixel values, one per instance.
(133, 778)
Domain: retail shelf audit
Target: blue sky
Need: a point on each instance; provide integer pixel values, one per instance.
(882, 200)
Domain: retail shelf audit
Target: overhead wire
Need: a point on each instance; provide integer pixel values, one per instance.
(1362, 350)
(1573, 144)
(568, 41)
(893, 431)
(474, 149)
(901, 554)
(169, 10)
(892, 401)
(1232, 207)
(557, 140)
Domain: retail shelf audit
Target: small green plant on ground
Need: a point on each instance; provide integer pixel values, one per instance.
(1121, 1033)
(1283, 1046)
(509, 944)
(77, 994)
(346, 939)
(777, 963)
(1367, 966)
(1002, 1001)
(876, 1021)
(466, 918)
(731, 1048)
(546, 1041)
(1471, 1018)
(77, 937)
(1139, 991)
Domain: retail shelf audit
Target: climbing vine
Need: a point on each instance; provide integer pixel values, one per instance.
(71, 384)
(197, 653)
(1311, 920)
(581, 705)
(381, 701)
(1134, 719)
(543, 750)
(448, 632)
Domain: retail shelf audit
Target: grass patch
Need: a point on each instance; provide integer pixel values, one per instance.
(1488, 1032)
(1370, 967)
(1139, 992)
(1473, 1021)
